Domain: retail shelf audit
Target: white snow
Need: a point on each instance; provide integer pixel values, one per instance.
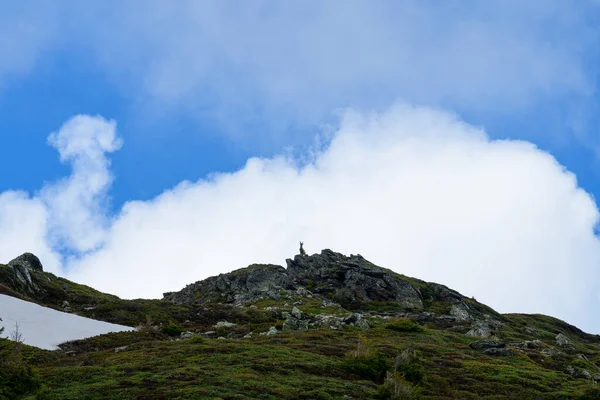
(46, 328)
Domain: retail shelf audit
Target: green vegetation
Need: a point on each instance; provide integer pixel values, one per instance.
(321, 363)
(171, 329)
(404, 325)
(387, 352)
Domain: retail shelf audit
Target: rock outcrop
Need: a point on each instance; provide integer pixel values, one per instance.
(329, 276)
(23, 273)
(240, 286)
(351, 280)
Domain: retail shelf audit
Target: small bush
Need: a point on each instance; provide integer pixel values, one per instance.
(410, 366)
(371, 367)
(17, 379)
(404, 325)
(171, 329)
(590, 394)
(396, 387)
(197, 339)
(45, 393)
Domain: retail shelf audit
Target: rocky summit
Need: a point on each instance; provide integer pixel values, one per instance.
(349, 282)
(329, 276)
(325, 326)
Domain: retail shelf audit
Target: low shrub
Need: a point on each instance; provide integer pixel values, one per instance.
(372, 367)
(17, 379)
(404, 325)
(171, 329)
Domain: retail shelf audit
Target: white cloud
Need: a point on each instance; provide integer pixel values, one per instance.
(412, 189)
(23, 227)
(77, 204)
(271, 65)
(280, 63)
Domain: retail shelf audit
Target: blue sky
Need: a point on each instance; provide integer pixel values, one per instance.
(215, 102)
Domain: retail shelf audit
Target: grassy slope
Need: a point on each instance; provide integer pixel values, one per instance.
(308, 364)
(295, 365)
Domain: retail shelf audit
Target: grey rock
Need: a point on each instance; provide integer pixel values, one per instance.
(487, 344)
(295, 324)
(531, 330)
(328, 303)
(248, 336)
(530, 344)
(186, 335)
(579, 373)
(563, 341)
(534, 344)
(274, 310)
(296, 313)
(272, 331)
(239, 287)
(551, 351)
(209, 334)
(484, 327)
(224, 324)
(353, 318)
(24, 268)
(363, 323)
(460, 313)
(481, 330)
(352, 279)
(27, 261)
(221, 338)
(120, 349)
(499, 352)
(327, 321)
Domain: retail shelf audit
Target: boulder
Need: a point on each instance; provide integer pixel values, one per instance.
(224, 324)
(295, 324)
(499, 352)
(460, 313)
(272, 331)
(579, 373)
(296, 313)
(563, 341)
(487, 344)
(186, 335)
(24, 268)
(328, 321)
(27, 261)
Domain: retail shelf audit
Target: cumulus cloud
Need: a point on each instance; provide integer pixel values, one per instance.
(68, 216)
(23, 227)
(77, 204)
(412, 189)
(292, 63)
(274, 65)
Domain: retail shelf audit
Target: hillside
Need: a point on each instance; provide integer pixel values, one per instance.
(327, 326)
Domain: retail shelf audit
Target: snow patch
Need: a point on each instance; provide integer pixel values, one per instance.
(46, 328)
